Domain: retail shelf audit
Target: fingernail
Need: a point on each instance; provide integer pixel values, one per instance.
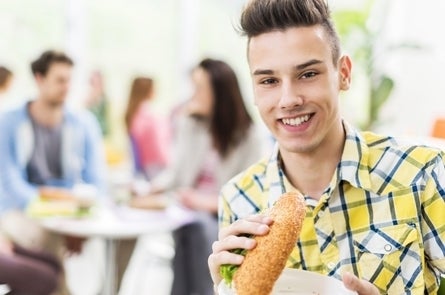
(267, 220)
(263, 228)
(250, 243)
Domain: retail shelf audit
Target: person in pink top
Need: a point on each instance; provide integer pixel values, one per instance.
(148, 132)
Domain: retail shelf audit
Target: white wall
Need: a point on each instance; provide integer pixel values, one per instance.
(419, 93)
(419, 96)
(157, 38)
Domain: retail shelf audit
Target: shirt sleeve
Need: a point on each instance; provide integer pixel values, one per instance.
(245, 194)
(94, 170)
(225, 214)
(433, 216)
(15, 190)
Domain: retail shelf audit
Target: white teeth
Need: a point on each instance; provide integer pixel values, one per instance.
(295, 121)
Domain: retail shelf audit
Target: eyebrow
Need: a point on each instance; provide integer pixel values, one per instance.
(308, 64)
(298, 67)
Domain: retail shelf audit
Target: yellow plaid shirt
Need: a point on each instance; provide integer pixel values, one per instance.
(382, 216)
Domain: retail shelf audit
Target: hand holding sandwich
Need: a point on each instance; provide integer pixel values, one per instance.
(265, 240)
(229, 239)
(258, 225)
(269, 250)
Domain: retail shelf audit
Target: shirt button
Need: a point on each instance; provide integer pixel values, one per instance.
(388, 247)
(331, 265)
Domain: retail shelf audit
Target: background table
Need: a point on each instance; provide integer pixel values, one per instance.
(114, 223)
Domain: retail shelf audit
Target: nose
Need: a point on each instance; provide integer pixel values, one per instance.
(290, 97)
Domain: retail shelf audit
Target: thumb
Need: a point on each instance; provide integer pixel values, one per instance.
(362, 287)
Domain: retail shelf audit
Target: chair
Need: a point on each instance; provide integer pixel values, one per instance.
(439, 128)
(4, 289)
(137, 162)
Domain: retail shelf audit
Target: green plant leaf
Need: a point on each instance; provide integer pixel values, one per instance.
(380, 94)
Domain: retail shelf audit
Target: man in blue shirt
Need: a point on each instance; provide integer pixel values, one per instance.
(44, 146)
(45, 150)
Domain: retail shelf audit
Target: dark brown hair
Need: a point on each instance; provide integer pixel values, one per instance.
(46, 59)
(230, 120)
(5, 74)
(141, 90)
(263, 16)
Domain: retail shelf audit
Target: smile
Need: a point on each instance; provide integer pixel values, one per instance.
(296, 121)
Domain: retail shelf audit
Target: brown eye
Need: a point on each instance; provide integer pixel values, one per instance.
(268, 81)
(308, 75)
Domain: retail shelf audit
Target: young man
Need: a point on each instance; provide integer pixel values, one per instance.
(45, 148)
(375, 208)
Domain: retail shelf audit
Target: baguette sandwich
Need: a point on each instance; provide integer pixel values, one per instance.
(263, 265)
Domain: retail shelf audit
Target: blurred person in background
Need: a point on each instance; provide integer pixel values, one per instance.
(148, 132)
(6, 77)
(216, 139)
(26, 271)
(97, 101)
(46, 149)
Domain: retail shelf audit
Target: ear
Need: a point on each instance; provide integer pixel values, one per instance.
(38, 77)
(345, 67)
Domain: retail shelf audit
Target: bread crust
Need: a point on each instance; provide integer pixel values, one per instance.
(263, 265)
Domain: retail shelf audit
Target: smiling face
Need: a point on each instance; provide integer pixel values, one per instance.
(296, 86)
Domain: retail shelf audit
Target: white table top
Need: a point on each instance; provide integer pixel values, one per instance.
(120, 222)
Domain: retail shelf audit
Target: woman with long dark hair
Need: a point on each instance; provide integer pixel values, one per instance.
(215, 140)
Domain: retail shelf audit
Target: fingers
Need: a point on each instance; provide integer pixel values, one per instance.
(254, 225)
(222, 251)
(222, 255)
(217, 259)
(230, 239)
(233, 242)
(362, 287)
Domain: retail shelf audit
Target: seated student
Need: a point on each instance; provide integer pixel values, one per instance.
(148, 132)
(216, 139)
(375, 206)
(26, 271)
(47, 148)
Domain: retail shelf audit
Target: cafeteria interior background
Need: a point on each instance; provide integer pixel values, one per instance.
(399, 42)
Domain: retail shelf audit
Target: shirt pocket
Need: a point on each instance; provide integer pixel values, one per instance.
(389, 257)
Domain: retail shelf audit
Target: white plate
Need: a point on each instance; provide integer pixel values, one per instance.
(300, 282)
